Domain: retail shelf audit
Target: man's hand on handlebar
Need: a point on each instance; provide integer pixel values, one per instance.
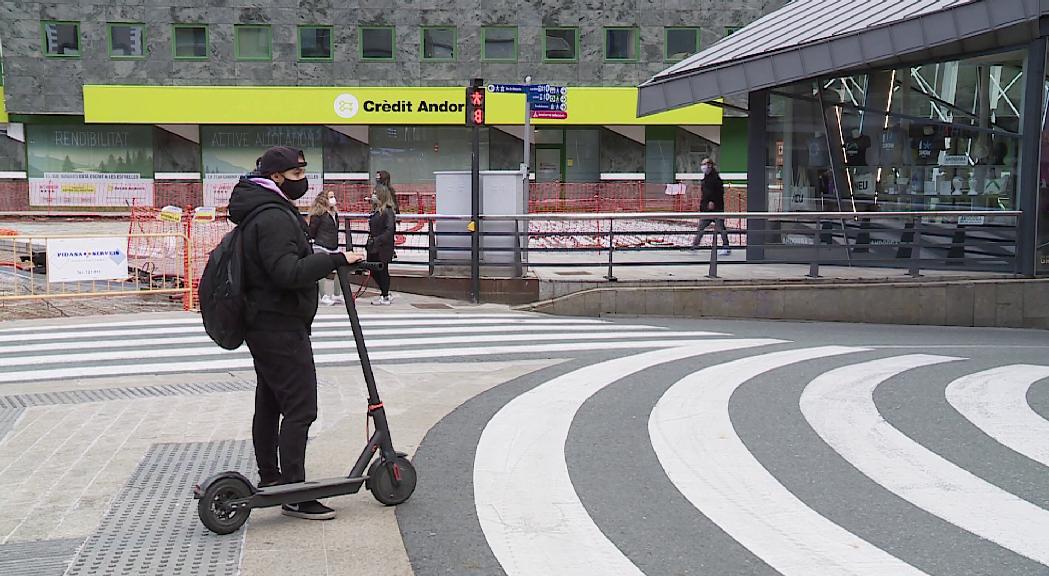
(352, 257)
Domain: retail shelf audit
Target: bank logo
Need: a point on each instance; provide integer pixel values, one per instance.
(346, 105)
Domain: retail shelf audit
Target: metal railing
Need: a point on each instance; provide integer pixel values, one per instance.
(913, 241)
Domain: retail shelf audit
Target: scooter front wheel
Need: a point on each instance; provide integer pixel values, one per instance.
(392, 482)
(216, 509)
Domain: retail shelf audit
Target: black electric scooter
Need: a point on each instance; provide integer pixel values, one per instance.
(227, 498)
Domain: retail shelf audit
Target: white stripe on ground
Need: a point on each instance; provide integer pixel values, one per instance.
(198, 327)
(697, 445)
(193, 318)
(996, 402)
(176, 354)
(244, 363)
(529, 512)
(840, 407)
(322, 334)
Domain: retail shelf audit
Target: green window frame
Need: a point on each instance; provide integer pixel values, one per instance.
(331, 43)
(142, 39)
(238, 29)
(484, 43)
(667, 56)
(575, 48)
(393, 43)
(454, 47)
(45, 44)
(174, 41)
(635, 42)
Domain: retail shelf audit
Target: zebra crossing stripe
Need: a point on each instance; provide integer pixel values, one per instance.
(839, 405)
(320, 335)
(194, 319)
(196, 328)
(244, 363)
(176, 353)
(996, 402)
(529, 512)
(706, 460)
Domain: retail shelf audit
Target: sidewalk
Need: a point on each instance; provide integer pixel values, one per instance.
(106, 465)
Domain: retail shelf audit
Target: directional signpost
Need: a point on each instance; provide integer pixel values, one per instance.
(543, 100)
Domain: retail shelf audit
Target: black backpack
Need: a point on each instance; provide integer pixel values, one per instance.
(223, 305)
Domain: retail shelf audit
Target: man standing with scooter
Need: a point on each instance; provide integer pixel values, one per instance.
(280, 278)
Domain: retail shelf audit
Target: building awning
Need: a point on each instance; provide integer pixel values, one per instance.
(812, 38)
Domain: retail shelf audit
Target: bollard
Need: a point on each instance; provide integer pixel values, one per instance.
(431, 247)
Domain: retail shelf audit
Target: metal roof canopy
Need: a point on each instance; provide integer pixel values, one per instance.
(813, 38)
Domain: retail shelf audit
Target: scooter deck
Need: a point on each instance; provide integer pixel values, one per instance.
(303, 491)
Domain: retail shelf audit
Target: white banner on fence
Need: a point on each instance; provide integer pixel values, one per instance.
(91, 189)
(219, 187)
(85, 259)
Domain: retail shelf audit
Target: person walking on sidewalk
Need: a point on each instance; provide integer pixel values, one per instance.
(280, 286)
(382, 178)
(324, 230)
(382, 225)
(712, 199)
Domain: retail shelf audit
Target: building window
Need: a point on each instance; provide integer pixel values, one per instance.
(190, 42)
(127, 40)
(499, 43)
(622, 44)
(681, 43)
(377, 42)
(253, 42)
(315, 43)
(62, 39)
(438, 43)
(560, 44)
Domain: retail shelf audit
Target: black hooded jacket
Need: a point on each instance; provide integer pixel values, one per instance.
(280, 269)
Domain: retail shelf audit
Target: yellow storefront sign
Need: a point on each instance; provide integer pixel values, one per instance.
(370, 105)
(3, 107)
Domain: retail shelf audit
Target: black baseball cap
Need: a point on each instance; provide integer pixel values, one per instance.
(280, 159)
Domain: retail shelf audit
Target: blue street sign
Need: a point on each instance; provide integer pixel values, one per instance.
(561, 106)
(534, 98)
(506, 88)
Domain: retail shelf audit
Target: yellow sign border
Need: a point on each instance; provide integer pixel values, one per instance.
(371, 105)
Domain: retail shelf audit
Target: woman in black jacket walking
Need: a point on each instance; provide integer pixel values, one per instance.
(382, 224)
(324, 231)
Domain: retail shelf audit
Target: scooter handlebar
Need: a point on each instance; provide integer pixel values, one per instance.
(369, 266)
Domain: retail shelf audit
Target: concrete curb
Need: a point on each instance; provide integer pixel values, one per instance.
(1005, 303)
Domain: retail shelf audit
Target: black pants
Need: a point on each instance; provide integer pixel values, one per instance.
(382, 277)
(719, 226)
(287, 386)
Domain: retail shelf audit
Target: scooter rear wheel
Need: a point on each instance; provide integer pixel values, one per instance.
(215, 509)
(392, 482)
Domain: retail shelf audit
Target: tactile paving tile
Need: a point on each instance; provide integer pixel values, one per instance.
(8, 417)
(42, 558)
(107, 394)
(152, 526)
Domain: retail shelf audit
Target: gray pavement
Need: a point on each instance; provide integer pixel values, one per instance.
(544, 445)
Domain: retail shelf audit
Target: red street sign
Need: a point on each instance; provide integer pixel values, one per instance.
(550, 114)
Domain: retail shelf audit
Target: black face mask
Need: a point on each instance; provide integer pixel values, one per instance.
(294, 189)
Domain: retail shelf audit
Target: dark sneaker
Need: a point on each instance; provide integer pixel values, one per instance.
(269, 483)
(311, 510)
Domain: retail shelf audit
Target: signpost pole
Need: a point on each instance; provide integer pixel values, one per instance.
(475, 212)
(527, 164)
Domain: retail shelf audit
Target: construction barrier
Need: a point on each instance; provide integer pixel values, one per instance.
(51, 266)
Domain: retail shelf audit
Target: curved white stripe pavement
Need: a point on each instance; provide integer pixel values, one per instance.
(322, 335)
(176, 353)
(996, 402)
(699, 449)
(839, 405)
(531, 515)
(244, 362)
(198, 328)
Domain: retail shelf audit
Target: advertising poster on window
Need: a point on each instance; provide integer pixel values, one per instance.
(78, 165)
(230, 152)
